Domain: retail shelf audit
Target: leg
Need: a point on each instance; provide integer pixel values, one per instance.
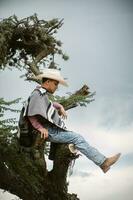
(61, 136)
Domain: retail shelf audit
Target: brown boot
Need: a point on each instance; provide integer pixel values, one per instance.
(109, 161)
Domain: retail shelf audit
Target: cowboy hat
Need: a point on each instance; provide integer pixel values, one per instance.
(53, 74)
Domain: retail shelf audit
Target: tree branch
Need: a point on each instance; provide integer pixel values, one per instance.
(76, 98)
(36, 60)
(55, 26)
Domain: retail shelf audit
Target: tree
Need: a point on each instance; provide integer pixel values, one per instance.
(30, 45)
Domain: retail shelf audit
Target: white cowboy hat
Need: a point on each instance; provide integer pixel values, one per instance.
(53, 74)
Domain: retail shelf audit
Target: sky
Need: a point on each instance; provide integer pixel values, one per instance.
(97, 36)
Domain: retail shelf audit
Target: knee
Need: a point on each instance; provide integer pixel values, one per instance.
(79, 138)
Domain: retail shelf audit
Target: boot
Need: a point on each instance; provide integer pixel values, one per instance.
(109, 161)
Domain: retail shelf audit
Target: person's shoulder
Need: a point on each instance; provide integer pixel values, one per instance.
(39, 91)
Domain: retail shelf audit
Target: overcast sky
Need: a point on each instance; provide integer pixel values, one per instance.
(98, 37)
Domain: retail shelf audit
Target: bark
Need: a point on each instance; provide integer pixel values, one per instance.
(23, 172)
(63, 158)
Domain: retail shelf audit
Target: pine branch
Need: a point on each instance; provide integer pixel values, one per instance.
(56, 25)
(28, 41)
(79, 98)
(8, 103)
(7, 124)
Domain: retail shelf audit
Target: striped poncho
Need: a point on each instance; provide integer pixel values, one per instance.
(39, 104)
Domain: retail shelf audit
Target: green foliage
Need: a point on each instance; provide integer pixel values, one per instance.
(73, 100)
(6, 125)
(23, 41)
(80, 98)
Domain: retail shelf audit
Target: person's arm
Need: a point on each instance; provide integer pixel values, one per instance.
(35, 123)
(60, 109)
(57, 105)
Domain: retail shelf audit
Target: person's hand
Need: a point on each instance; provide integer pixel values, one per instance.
(44, 133)
(62, 112)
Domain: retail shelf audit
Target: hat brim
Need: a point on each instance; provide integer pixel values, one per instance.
(56, 78)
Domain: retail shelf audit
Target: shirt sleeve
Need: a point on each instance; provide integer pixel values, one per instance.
(57, 105)
(35, 123)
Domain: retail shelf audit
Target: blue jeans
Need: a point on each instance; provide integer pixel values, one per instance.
(58, 135)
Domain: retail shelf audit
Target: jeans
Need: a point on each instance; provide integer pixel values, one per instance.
(58, 135)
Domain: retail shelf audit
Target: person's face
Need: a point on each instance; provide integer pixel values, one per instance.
(51, 85)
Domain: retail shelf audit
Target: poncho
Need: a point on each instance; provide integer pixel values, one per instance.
(40, 104)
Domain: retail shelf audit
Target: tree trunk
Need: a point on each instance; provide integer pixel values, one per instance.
(63, 158)
(23, 172)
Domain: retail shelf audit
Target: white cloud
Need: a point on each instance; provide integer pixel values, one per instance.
(115, 185)
(118, 182)
(108, 141)
(7, 196)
